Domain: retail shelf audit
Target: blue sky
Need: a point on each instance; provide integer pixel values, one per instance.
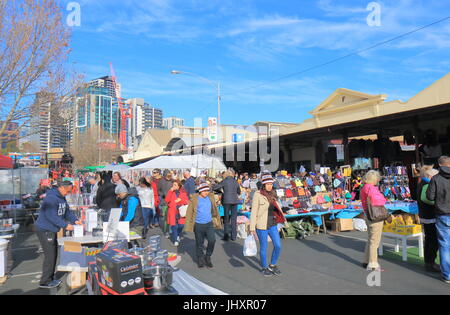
(243, 43)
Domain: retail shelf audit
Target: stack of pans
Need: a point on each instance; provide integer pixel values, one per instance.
(6, 227)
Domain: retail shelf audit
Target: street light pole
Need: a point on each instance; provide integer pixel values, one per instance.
(219, 98)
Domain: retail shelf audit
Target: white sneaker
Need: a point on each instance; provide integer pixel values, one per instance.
(176, 244)
(178, 239)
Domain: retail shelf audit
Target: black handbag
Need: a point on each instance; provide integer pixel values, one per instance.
(376, 213)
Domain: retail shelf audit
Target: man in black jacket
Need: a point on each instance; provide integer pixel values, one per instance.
(106, 196)
(428, 219)
(439, 192)
(230, 200)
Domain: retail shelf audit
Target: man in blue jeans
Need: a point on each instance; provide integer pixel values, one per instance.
(439, 192)
(203, 218)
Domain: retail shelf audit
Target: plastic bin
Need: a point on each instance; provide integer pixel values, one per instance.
(3, 256)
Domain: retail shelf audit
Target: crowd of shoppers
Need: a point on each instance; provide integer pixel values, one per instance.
(190, 204)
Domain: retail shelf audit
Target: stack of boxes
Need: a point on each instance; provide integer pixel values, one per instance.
(91, 220)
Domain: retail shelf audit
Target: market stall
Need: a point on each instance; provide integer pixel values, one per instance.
(196, 164)
(332, 197)
(121, 168)
(199, 162)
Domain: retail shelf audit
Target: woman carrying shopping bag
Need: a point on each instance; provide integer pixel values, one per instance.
(266, 214)
(175, 198)
(372, 197)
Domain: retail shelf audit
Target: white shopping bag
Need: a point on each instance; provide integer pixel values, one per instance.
(359, 225)
(242, 231)
(250, 248)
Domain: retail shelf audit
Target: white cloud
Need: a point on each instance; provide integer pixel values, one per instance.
(290, 34)
(337, 10)
(254, 36)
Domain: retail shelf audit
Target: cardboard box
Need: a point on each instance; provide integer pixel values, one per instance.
(73, 254)
(388, 228)
(403, 229)
(341, 225)
(76, 279)
(120, 272)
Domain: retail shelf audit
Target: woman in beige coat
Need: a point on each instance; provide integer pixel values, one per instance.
(265, 216)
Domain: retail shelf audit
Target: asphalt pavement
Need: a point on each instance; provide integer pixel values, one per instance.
(322, 264)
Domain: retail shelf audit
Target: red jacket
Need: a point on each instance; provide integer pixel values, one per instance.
(172, 211)
(155, 193)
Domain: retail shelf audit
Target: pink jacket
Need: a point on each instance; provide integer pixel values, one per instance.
(375, 195)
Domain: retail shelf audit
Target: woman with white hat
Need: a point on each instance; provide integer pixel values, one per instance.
(266, 214)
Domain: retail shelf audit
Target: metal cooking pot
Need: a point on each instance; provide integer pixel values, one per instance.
(140, 252)
(160, 276)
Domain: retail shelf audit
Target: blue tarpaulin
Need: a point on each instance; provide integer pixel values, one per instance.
(408, 207)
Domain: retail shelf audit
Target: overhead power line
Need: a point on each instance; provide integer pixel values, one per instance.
(339, 58)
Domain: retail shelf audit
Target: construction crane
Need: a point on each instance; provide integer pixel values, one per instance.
(125, 111)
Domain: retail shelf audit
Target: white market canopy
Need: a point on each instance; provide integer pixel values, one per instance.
(199, 161)
(116, 168)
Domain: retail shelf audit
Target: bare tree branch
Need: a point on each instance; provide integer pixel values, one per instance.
(34, 46)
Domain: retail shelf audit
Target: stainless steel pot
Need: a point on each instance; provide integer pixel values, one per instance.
(140, 252)
(162, 277)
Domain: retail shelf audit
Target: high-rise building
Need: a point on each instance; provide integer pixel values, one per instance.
(144, 117)
(135, 128)
(153, 117)
(96, 108)
(173, 122)
(49, 127)
(108, 83)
